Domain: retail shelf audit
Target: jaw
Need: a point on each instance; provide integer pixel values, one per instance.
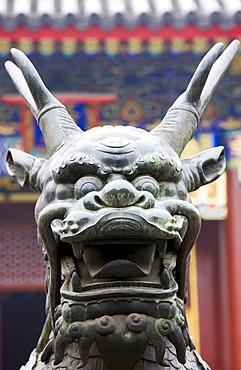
(119, 276)
(127, 264)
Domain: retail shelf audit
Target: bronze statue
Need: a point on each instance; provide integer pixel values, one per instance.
(116, 227)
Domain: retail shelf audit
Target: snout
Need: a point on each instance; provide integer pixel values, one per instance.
(118, 194)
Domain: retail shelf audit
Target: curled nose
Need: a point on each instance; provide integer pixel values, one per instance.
(119, 193)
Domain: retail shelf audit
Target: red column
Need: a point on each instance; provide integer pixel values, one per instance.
(233, 242)
(213, 288)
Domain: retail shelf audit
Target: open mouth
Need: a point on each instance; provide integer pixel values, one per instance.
(115, 256)
(121, 268)
(121, 258)
(125, 276)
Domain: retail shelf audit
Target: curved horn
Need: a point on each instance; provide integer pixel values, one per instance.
(181, 120)
(22, 87)
(53, 118)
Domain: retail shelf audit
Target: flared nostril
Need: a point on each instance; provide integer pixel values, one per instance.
(98, 201)
(93, 201)
(141, 200)
(146, 200)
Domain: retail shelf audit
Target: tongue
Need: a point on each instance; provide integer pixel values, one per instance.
(120, 269)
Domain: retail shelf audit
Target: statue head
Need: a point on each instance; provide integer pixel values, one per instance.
(114, 216)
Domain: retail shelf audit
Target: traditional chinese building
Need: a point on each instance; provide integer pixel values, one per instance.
(123, 62)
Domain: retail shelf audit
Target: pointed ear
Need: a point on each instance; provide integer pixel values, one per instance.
(24, 168)
(204, 167)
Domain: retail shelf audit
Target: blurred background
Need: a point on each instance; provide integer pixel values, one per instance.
(123, 62)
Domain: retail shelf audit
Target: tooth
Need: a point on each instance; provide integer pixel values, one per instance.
(78, 250)
(76, 283)
(165, 279)
(161, 247)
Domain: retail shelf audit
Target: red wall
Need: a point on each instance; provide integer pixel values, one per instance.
(234, 264)
(213, 285)
(219, 277)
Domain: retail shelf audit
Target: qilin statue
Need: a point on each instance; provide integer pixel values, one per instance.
(116, 226)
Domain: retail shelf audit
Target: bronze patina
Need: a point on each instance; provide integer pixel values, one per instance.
(116, 226)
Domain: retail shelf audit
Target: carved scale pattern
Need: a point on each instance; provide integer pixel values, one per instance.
(72, 360)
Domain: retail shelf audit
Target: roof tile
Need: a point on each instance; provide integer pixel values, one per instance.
(128, 13)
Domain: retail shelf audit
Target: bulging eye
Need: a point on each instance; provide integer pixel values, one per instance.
(146, 183)
(86, 185)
